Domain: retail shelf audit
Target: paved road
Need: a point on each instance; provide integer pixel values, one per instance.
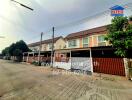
(26, 82)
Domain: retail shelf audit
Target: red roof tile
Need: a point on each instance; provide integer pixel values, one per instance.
(45, 41)
(98, 30)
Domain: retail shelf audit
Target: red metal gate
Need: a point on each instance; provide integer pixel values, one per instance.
(114, 66)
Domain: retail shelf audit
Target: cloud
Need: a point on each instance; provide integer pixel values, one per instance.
(55, 6)
(17, 22)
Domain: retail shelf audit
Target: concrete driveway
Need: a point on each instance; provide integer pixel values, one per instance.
(27, 82)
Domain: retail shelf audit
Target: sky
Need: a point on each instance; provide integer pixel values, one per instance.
(18, 23)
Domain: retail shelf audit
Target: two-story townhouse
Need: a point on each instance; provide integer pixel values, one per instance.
(46, 47)
(78, 46)
(85, 50)
(59, 43)
(34, 46)
(88, 51)
(89, 38)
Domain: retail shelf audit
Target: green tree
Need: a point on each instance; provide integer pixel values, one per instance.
(12, 47)
(18, 54)
(5, 51)
(16, 50)
(120, 35)
(21, 45)
(130, 18)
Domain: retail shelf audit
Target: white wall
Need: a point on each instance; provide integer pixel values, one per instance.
(63, 65)
(35, 48)
(81, 63)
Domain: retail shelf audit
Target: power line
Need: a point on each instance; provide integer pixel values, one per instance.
(26, 29)
(14, 23)
(83, 20)
(19, 13)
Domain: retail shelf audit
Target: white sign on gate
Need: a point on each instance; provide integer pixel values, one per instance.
(81, 63)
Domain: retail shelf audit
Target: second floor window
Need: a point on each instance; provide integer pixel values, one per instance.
(101, 40)
(50, 46)
(35, 49)
(72, 43)
(85, 42)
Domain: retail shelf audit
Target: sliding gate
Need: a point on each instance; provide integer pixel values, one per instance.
(114, 66)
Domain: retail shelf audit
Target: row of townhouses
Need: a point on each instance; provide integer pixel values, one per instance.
(85, 50)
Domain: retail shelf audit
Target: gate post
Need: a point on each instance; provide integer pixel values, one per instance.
(91, 60)
(28, 57)
(126, 67)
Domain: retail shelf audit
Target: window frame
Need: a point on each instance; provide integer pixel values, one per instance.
(101, 40)
(71, 41)
(85, 43)
(50, 46)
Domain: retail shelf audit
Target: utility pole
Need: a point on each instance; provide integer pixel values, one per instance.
(52, 52)
(40, 47)
(22, 5)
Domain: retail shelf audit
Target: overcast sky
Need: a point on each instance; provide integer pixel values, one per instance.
(18, 23)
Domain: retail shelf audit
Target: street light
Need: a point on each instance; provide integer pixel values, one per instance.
(23, 5)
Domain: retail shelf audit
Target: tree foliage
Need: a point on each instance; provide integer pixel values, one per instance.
(120, 35)
(5, 51)
(130, 18)
(16, 49)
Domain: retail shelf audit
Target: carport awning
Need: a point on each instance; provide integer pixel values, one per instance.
(42, 52)
(62, 51)
(103, 48)
(72, 49)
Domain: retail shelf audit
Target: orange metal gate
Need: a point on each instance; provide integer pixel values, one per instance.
(114, 66)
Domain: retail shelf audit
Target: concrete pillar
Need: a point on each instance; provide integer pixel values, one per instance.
(126, 67)
(33, 57)
(91, 60)
(23, 57)
(54, 60)
(70, 59)
(27, 57)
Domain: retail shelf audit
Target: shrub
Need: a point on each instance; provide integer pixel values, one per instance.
(36, 63)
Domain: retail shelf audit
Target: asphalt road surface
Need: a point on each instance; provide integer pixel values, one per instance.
(27, 82)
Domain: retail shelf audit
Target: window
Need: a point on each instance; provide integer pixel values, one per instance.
(101, 40)
(85, 42)
(44, 47)
(50, 46)
(72, 43)
(35, 49)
